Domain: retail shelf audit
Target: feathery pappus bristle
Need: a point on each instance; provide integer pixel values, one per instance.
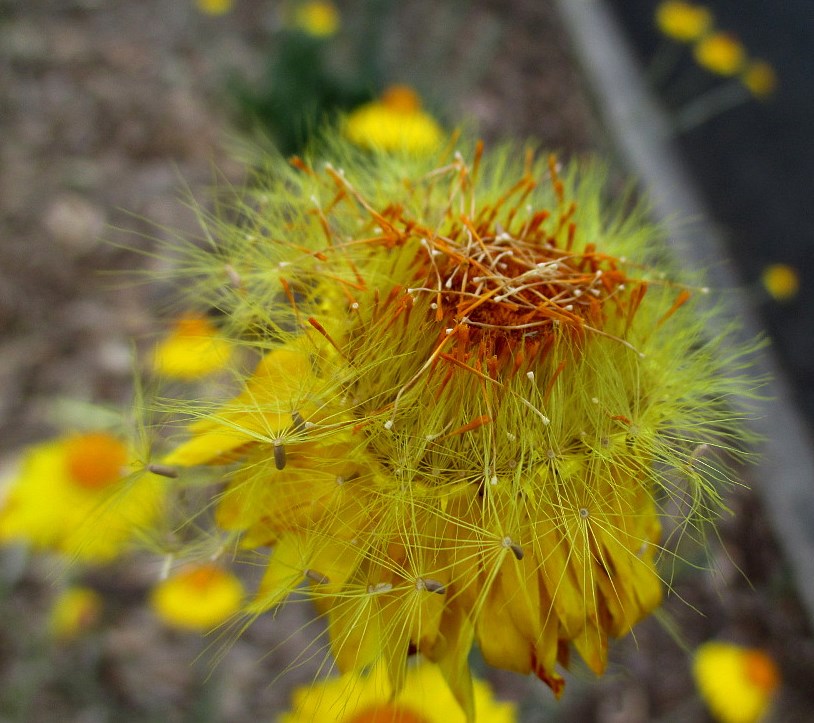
(480, 392)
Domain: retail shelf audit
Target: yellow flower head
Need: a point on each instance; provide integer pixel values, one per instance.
(214, 7)
(759, 77)
(738, 684)
(79, 495)
(193, 349)
(683, 21)
(198, 598)
(424, 698)
(74, 612)
(781, 281)
(317, 18)
(720, 53)
(396, 122)
(475, 397)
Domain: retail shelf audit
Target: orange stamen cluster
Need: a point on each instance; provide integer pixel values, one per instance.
(95, 460)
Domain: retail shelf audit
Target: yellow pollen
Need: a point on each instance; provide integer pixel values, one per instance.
(95, 460)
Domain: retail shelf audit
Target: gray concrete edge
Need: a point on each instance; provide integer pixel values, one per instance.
(784, 474)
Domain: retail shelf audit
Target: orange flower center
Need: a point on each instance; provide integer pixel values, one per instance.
(761, 670)
(95, 460)
(387, 713)
(401, 98)
(193, 325)
(202, 578)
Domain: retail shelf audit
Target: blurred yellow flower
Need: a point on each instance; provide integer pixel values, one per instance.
(781, 281)
(74, 612)
(759, 77)
(737, 683)
(193, 349)
(425, 698)
(720, 53)
(683, 21)
(317, 18)
(395, 122)
(198, 598)
(214, 7)
(76, 495)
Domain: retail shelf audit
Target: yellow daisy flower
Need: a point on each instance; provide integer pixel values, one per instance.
(396, 122)
(475, 400)
(214, 7)
(759, 77)
(318, 18)
(74, 612)
(424, 698)
(720, 53)
(738, 684)
(683, 21)
(781, 281)
(198, 598)
(193, 349)
(81, 496)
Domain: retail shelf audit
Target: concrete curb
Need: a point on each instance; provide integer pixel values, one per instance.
(784, 476)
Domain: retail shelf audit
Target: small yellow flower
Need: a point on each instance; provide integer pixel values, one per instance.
(683, 21)
(192, 350)
(720, 53)
(759, 77)
(214, 7)
(76, 495)
(781, 281)
(737, 683)
(317, 18)
(75, 611)
(425, 698)
(396, 122)
(198, 598)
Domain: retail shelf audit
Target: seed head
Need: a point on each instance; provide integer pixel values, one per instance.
(497, 390)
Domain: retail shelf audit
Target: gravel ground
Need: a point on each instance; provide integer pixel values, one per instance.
(113, 111)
